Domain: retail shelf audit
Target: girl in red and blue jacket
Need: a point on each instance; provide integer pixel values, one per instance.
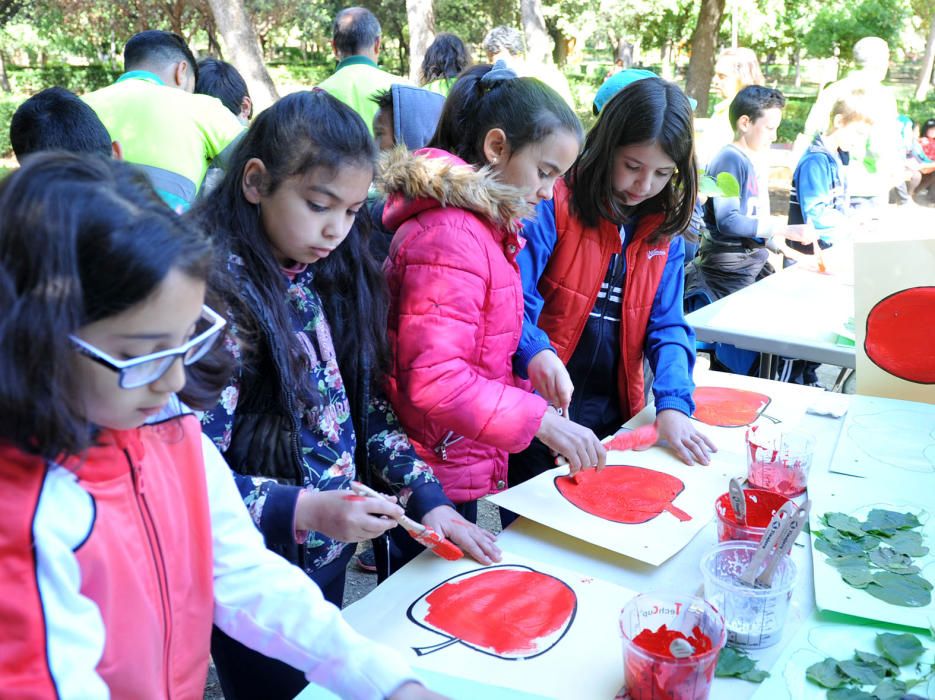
(602, 276)
(124, 537)
(456, 300)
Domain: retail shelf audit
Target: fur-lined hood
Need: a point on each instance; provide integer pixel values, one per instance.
(428, 178)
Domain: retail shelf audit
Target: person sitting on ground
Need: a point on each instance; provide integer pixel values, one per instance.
(926, 155)
(57, 120)
(221, 80)
(165, 129)
(444, 59)
(356, 37)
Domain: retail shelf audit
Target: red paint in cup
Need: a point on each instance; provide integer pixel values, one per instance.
(761, 505)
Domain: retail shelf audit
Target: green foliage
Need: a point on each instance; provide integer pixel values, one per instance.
(732, 663)
(867, 676)
(839, 27)
(876, 555)
(78, 79)
(8, 105)
(793, 118)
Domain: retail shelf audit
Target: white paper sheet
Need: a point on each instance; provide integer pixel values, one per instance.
(857, 497)
(583, 660)
(828, 636)
(885, 438)
(653, 541)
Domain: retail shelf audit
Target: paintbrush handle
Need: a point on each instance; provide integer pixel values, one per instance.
(749, 574)
(737, 501)
(364, 490)
(787, 538)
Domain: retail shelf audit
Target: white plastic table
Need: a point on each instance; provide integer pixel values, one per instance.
(794, 313)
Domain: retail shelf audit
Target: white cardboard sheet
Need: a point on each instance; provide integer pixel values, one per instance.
(584, 661)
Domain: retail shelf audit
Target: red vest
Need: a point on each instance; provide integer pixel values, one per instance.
(572, 279)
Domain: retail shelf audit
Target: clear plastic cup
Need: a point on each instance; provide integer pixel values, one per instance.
(761, 505)
(652, 676)
(779, 460)
(754, 616)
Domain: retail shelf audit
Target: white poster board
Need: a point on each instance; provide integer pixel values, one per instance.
(825, 636)
(647, 506)
(420, 610)
(857, 497)
(895, 311)
(888, 440)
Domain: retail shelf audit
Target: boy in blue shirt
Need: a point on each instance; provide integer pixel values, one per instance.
(819, 189)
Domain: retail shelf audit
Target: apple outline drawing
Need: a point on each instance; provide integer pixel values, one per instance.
(739, 393)
(878, 332)
(451, 640)
(610, 469)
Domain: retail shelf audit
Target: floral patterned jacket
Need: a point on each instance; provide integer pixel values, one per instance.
(324, 435)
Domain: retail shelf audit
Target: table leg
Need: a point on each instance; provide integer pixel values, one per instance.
(766, 365)
(843, 376)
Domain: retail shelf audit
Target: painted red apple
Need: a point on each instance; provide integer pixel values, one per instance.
(725, 407)
(508, 611)
(623, 494)
(898, 338)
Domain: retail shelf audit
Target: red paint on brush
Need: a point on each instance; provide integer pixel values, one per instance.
(724, 407)
(439, 545)
(645, 436)
(898, 338)
(657, 675)
(624, 494)
(508, 612)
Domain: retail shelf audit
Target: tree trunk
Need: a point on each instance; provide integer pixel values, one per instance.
(4, 78)
(214, 46)
(704, 43)
(925, 74)
(538, 48)
(421, 16)
(244, 50)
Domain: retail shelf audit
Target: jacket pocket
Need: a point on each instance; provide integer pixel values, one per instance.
(441, 449)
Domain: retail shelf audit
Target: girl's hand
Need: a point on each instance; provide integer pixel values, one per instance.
(476, 542)
(415, 691)
(550, 378)
(577, 444)
(343, 516)
(678, 430)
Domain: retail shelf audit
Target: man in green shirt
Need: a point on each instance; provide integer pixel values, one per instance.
(172, 134)
(356, 44)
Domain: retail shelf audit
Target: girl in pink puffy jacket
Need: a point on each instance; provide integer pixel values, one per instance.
(456, 300)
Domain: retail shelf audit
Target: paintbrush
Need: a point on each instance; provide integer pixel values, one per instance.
(425, 536)
(738, 502)
(767, 543)
(787, 536)
(644, 436)
(820, 258)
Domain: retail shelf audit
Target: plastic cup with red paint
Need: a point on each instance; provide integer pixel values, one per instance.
(779, 460)
(754, 617)
(651, 672)
(761, 505)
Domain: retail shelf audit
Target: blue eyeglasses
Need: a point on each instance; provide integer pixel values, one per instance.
(146, 369)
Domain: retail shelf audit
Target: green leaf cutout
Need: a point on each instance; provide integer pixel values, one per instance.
(826, 674)
(732, 663)
(901, 649)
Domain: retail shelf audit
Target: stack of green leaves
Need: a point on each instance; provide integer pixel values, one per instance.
(732, 663)
(869, 676)
(877, 555)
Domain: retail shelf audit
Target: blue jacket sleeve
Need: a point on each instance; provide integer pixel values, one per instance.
(814, 186)
(670, 341)
(540, 235)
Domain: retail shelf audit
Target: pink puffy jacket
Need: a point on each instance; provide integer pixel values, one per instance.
(456, 313)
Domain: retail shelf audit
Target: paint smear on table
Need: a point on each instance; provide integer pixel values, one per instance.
(725, 407)
(624, 494)
(899, 334)
(511, 612)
